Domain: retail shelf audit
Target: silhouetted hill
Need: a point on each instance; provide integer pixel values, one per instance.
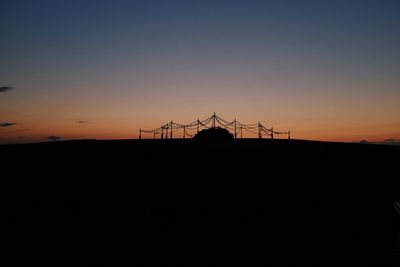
(214, 134)
(257, 199)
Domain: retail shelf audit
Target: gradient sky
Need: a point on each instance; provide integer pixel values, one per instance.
(326, 70)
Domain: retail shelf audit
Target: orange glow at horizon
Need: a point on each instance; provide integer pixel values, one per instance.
(104, 125)
(328, 116)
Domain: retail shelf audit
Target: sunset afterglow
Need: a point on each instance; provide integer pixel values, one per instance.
(104, 69)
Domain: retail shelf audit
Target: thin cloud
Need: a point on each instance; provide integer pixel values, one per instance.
(21, 130)
(53, 138)
(5, 88)
(83, 122)
(7, 124)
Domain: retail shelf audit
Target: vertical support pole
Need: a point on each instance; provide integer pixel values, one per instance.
(235, 128)
(162, 132)
(140, 134)
(154, 135)
(289, 135)
(166, 132)
(184, 132)
(259, 130)
(198, 125)
(272, 133)
(213, 124)
(241, 132)
(171, 129)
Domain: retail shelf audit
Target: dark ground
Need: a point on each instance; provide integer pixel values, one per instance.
(185, 201)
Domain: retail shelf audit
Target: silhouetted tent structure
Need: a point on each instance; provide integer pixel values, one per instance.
(214, 134)
(168, 130)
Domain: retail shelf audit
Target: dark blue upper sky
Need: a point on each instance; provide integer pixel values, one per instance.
(360, 34)
(300, 56)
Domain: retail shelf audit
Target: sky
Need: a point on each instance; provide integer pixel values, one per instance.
(78, 69)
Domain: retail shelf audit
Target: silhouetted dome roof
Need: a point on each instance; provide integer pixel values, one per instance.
(214, 133)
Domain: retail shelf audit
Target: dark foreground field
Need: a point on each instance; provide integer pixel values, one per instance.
(176, 201)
